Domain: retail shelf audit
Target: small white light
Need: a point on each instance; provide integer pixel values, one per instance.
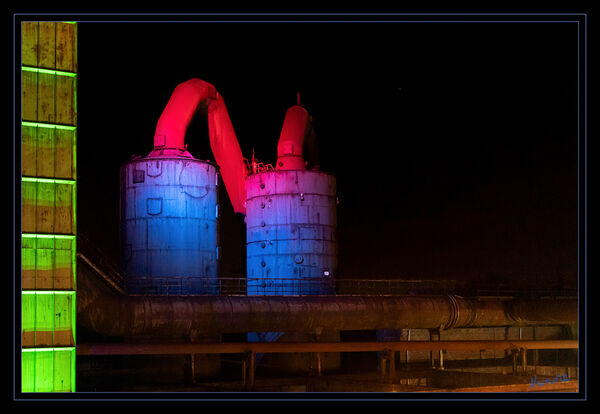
(326, 273)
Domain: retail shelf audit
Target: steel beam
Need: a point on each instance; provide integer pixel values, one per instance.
(569, 386)
(288, 347)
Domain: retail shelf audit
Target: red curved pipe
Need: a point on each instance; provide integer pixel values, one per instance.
(169, 138)
(297, 136)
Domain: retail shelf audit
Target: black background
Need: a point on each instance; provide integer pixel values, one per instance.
(455, 145)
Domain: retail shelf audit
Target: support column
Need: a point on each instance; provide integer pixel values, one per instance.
(524, 361)
(387, 365)
(432, 334)
(249, 372)
(392, 372)
(382, 366)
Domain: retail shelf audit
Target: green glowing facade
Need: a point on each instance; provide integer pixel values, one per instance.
(48, 202)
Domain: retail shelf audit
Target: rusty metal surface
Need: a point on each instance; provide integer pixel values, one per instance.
(171, 315)
(549, 310)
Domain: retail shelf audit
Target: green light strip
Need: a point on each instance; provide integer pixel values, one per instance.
(64, 348)
(74, 319)
(48, 236)
(42, 125)
(48, 292)
(49, 71)
(46, 180)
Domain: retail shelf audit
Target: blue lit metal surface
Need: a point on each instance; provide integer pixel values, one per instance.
(169, 224)
(291, 231)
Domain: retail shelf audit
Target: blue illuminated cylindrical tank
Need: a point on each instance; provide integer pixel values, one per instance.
(291, 221)
(169, 225)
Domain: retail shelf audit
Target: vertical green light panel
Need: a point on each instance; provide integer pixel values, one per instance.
(48, 318)
(48, 205)
(48, 369)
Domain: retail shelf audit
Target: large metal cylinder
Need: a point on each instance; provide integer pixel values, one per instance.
(169, 226)
(291, 236)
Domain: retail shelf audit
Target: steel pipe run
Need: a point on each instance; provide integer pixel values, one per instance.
(114, 315)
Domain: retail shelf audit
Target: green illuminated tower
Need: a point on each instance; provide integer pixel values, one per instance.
(49, 192)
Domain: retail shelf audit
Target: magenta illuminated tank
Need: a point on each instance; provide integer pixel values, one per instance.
(291, 218)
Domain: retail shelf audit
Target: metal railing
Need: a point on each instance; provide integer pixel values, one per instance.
(255, 167)
(393, 286)
(235, 285)
(285, 286)
(103, 267)
(181, 285)
(229, 286)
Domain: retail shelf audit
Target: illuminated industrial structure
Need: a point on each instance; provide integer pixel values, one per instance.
(169, 298)
(291, 217)
(169, 225)
(169, 200)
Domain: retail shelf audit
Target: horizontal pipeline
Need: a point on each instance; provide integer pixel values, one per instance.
(288, 347)
(104, 312)
(123, 316)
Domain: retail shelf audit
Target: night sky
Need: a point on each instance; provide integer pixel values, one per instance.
(454, 144)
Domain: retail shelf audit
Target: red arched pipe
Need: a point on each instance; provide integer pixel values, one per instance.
(169, 139)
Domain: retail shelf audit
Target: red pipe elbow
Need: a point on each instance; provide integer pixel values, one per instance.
(169, 139)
